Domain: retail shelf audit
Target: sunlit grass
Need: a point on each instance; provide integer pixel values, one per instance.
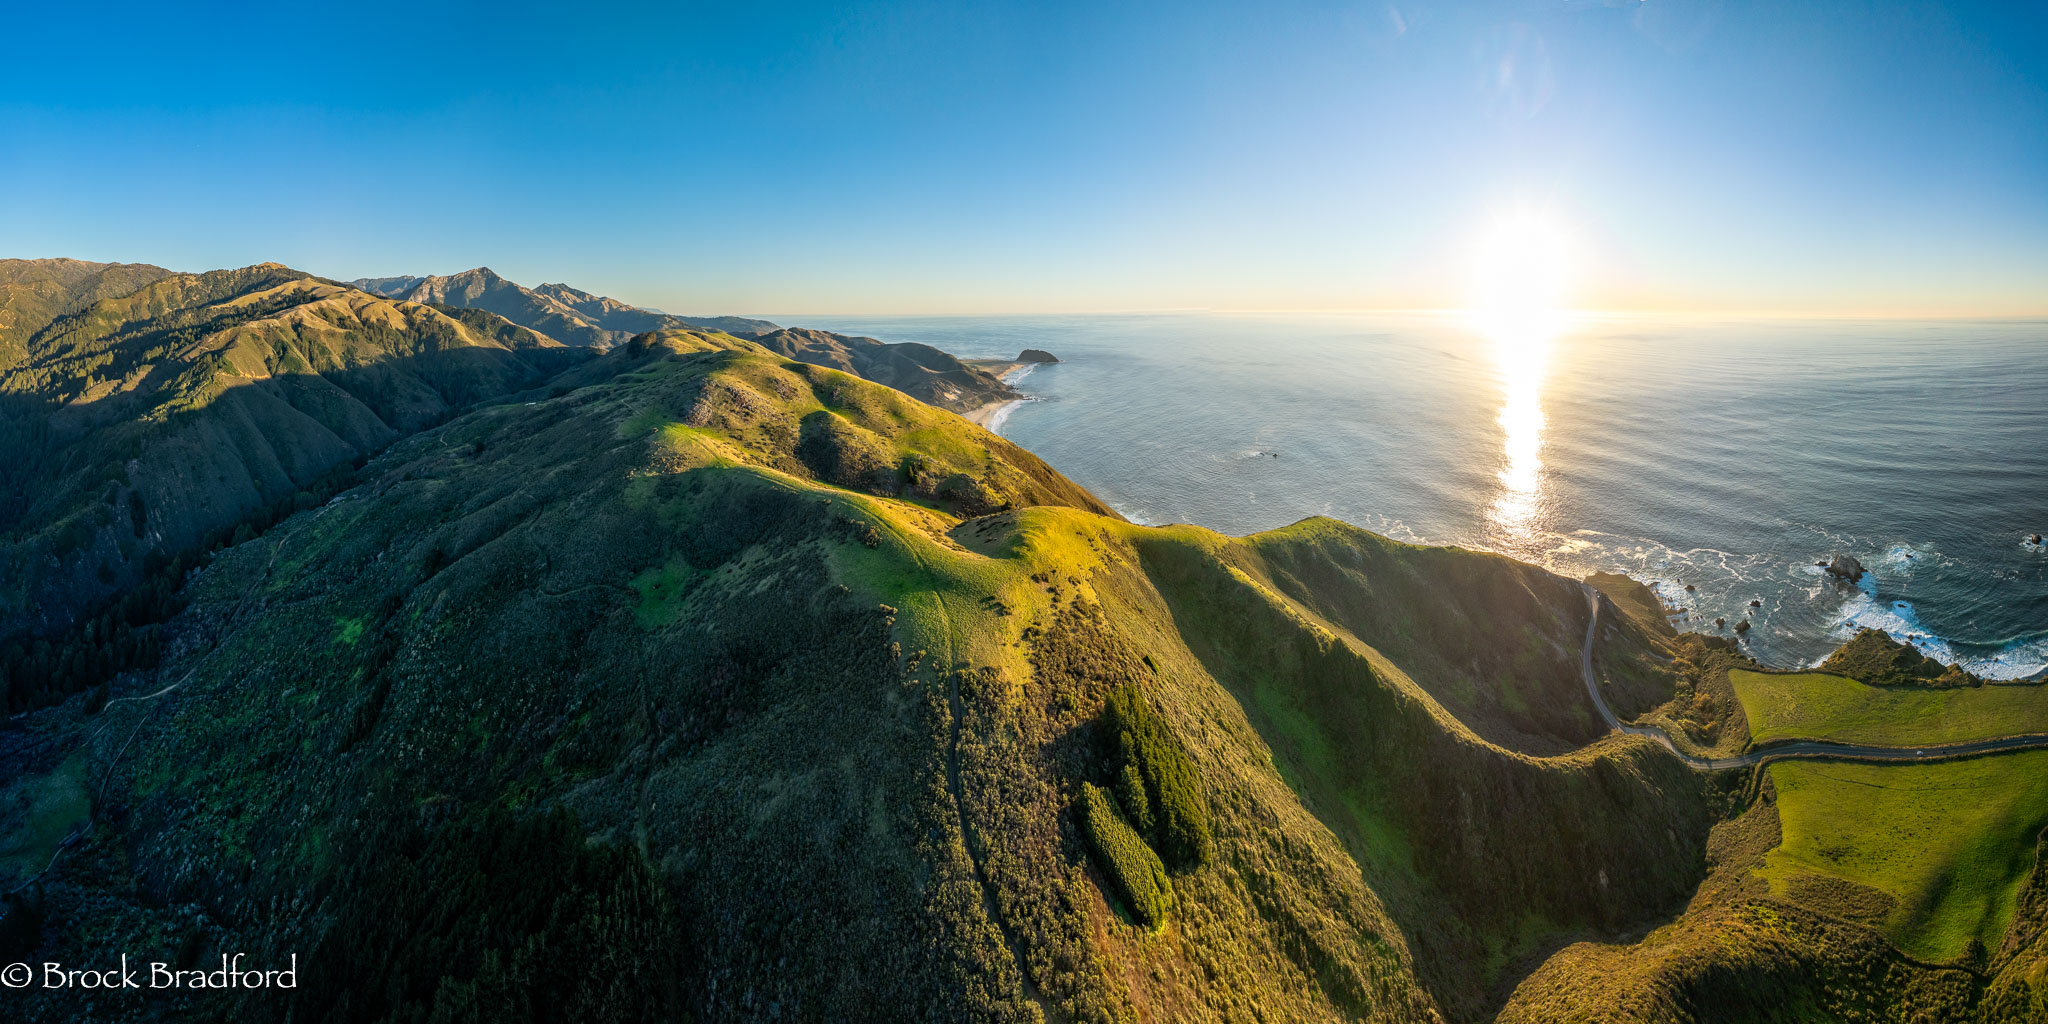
(1950, 843)
(1815, 705)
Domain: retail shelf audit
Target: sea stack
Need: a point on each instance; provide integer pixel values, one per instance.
(1846, 567)
(1036, 355)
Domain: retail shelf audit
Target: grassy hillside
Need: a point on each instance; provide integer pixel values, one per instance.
(150, 425)
(35, 292)
(809, 709)
(700, 681)
(920, 371)
(1814, 705)
(2017, 990)
(1483, 854)
(483, 289)
(1742, 953)
(1635, 600)
(1940, 851)
(823, 660)
(1653, 675)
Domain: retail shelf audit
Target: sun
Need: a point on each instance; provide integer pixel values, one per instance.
(1521, 271)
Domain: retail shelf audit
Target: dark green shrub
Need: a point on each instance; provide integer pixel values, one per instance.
(1178, 810)
(497, 918)
(1130, 792)
(1136, 871)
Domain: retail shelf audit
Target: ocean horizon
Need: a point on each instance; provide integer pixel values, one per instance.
(1717, 459)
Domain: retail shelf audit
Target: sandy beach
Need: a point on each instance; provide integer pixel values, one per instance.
(990, 417)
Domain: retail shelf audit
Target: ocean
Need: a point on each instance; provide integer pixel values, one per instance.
(1716, 459)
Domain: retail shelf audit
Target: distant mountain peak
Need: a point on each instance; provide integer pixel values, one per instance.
(563, 312)
(567, 289)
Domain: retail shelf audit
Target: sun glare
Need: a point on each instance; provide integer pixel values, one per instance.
(1520, 272)
(1517, 301)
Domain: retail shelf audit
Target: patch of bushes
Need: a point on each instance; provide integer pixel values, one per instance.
(1156, 781)
(847, 455)
(498, 918)
(1131, 865)
(125, 636)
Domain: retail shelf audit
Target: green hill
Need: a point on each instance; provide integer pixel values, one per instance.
(918, 370)
(35, 292)
(699, 681)
(483, 289)
(829, 661)
(151, 415)
(144, 425)
(1818, 705)
(576, 317)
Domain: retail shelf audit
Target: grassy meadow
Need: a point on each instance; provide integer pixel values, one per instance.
(1814, 705)
(1946, 846)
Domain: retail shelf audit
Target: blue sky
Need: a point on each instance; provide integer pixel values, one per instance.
(959, 157)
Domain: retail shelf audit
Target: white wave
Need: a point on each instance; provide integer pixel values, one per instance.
(1002, 413)
(1896, 618)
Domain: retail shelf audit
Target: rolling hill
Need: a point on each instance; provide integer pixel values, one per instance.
(146, 424)
(694, 679)
(151, 415)
(35, 292)
(575, 317)
(915, 369)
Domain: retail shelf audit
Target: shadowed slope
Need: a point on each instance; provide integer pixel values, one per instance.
(35, 292)
(147, 422)
(920, 371)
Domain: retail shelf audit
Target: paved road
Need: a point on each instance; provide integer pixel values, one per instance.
(1796, 749)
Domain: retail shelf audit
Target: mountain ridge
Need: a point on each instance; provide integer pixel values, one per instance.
(569, 315)
(615, 683)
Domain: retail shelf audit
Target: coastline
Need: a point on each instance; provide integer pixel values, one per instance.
(990, 417)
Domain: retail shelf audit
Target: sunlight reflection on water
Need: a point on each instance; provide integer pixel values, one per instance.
(1521, 348)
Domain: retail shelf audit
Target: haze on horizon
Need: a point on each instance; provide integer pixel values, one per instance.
(928, 158)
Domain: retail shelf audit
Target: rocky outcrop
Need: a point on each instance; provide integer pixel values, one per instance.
(1873, 657)
(1846, 567)
(1036, 355)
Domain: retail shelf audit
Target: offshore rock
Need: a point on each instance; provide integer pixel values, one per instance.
(1846, 567)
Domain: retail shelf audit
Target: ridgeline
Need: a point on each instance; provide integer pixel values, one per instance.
(693, 679)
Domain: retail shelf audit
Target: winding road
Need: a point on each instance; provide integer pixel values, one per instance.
(1811, 749)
